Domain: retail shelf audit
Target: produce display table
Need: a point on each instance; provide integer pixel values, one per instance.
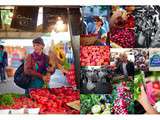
(41, 101)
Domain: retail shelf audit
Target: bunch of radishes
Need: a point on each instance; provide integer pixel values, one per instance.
(122, 101)
(94, 55)
(123, 37)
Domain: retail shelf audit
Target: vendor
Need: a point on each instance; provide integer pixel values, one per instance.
(36, 65)
(126, 67)
(100, 30)
(99, 27)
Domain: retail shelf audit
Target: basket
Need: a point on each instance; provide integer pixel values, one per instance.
(10, 71)
(86, 40)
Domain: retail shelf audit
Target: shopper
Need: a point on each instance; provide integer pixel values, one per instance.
(3, 63)
(36, 65)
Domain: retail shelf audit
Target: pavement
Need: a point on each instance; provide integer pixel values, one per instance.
(10, 87)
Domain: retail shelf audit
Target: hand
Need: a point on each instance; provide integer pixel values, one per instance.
(46, 78)
(50, 69)
(143, 100)
(121, 77)
(143, 96)
(130, 78)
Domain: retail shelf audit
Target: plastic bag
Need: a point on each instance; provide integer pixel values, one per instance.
(58, 80)
(90, 85)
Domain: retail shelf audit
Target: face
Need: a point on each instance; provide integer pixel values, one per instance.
(98, 23)
(124, 58)
(38, 48)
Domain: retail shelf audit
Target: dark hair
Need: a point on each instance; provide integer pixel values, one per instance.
(38, 40)
(98, 19)
(1, 46)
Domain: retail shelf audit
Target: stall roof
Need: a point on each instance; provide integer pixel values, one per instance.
(19, 35)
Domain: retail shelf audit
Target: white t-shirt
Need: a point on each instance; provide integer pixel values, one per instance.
(124, 68)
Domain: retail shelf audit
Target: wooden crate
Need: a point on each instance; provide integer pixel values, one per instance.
(87, 40)
(10, 71)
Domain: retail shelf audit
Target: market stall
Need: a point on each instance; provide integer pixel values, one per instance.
(60, 95)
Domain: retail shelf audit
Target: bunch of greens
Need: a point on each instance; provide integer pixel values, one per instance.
(87, 101)
(7, 99)
(138, 81)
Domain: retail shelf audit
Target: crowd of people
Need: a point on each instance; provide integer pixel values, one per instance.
(94, 79)
(147, 29)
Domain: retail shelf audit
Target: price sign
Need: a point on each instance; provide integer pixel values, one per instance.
(51, 17)
(25, 18)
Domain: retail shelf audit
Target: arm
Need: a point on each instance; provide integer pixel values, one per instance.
(28, 68)
(143, 100)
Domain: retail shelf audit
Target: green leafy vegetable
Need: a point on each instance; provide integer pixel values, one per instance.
(87, 101)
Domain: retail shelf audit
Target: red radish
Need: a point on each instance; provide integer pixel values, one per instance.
(156, 84)
(123, 37)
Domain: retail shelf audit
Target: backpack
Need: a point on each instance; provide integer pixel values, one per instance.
(22, 80)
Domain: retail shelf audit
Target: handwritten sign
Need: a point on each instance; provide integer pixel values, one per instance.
(50, 18)
(155, 60)
(25, 18)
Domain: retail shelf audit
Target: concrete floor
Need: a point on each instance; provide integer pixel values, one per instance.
(10, 87)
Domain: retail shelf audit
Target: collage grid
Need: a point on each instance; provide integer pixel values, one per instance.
(88, 60)
(130, 35)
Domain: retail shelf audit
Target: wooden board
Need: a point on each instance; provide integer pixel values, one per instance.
(74, 105)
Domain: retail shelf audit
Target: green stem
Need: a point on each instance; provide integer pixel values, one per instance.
(155, 75)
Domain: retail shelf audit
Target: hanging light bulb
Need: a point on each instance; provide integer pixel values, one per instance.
(60, 25)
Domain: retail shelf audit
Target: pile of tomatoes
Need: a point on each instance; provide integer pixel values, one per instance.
(54, 101)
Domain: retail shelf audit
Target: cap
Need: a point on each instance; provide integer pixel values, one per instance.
(38, 40)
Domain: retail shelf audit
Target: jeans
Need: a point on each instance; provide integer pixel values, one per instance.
(2, 73)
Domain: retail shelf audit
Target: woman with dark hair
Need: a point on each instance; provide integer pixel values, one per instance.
(37, 65)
